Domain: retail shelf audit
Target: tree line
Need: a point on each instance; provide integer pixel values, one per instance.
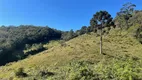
(14, 39)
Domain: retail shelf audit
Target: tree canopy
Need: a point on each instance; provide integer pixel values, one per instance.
(100, 21)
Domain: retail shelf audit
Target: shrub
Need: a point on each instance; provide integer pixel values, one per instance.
(20, 73)
(35, 48)
(45, 73)
(126, 69)
(81, 71)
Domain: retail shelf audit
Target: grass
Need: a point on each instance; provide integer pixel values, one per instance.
(83, 48)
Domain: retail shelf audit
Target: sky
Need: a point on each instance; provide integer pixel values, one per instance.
(59, 14)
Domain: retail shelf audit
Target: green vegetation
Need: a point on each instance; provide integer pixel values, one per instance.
(100, 21)
(74, 55)
(20, 73)
(126, 12)
(35, 48)
(80, 59)
(13, 40)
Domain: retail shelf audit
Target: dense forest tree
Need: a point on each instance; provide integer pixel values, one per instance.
(128, 17)
(100, 21)
(136, 25)
(83, 30)
(124, 15)
(68, 35)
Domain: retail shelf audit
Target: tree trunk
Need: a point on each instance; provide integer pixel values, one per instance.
(127, 24)
(101, 39)
(101, 42)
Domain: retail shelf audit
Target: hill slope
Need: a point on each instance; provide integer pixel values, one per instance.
(13, 40)
(63, 57)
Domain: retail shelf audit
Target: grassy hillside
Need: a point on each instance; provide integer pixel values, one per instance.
(67, 61)
(13, 40)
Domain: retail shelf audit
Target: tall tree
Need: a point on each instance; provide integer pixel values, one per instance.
(101, 20)
(83, 30)
(68, 35)
(71, 34)
(126, 12)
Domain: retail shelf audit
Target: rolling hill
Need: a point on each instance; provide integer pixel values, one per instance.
(79, 58)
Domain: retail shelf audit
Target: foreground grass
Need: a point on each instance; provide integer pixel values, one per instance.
(79, 57)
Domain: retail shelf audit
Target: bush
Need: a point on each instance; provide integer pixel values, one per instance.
(20, 73)
(117, 69)
(45, 73)
(35, 48)
(125, 69)
(81, 71)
